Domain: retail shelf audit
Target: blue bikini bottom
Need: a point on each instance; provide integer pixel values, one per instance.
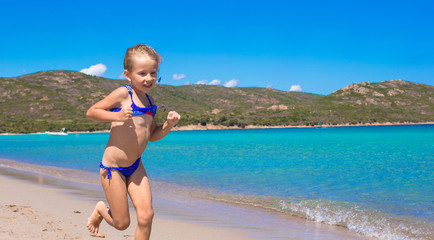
(126, 171)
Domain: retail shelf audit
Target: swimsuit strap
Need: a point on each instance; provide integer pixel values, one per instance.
(149, 99)
(126, 171)
(130, 91)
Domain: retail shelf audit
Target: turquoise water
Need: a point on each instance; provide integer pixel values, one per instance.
(369, 179)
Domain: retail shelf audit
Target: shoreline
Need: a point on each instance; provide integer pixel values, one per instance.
(220, 127)
(200, 127)
(63, 216)
(177, 216)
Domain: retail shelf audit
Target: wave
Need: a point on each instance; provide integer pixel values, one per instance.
(360, 219)
(370, 223)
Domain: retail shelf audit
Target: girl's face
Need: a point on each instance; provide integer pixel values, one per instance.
(143, 75)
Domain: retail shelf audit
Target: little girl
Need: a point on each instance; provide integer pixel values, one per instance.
(131, 112)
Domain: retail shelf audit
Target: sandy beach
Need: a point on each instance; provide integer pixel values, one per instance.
(37, 206)
(220, 127)
(36, 211)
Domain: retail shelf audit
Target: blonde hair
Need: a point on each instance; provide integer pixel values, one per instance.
(140, 50)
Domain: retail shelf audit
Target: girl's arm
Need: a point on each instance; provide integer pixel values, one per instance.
(160, 132)
(99, 112)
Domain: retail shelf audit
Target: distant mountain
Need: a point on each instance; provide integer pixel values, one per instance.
(52, 100)
(388, 101)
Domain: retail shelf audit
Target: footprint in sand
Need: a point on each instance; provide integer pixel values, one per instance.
(22, 210)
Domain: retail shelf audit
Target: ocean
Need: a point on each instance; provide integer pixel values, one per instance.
(377, 181)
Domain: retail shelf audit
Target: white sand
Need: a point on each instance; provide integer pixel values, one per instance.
(32, 211)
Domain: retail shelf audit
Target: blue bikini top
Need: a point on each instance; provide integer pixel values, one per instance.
(151, 109)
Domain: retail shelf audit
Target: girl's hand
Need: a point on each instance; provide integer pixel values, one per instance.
(173, 118)
(125, 114)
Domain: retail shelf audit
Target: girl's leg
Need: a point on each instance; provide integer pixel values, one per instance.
(118, 215)
(140, 194)
(96, 218)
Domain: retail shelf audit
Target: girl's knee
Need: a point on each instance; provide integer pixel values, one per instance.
(145, 217)
(121, 224)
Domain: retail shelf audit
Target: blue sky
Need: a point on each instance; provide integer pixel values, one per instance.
(310, 46)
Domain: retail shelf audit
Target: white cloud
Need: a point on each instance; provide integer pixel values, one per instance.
(95, 70)
(232, 83)
(295, 88)
(215, 82)
(270, 86)
(187, 83)
(122, 76)
(202, 82)
(178, 76)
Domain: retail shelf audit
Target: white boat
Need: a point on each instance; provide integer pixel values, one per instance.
(319, 126)
(61, 133)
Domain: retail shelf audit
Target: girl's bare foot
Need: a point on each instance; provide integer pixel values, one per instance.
(95, 219)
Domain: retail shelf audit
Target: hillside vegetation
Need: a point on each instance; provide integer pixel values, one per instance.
(51, 100)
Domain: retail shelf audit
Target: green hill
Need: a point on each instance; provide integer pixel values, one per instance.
(55, 99)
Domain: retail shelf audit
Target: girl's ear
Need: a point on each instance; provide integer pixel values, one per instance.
(127, 75)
